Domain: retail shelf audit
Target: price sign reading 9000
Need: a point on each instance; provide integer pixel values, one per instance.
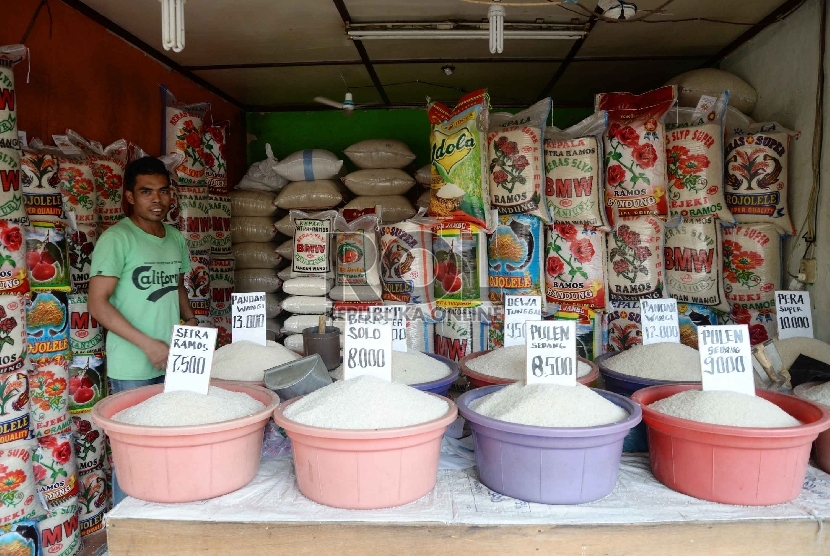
(368, 346)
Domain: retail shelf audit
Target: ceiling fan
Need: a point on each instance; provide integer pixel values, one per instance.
(347, 106)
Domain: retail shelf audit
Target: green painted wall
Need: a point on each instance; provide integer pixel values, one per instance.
(288, 132)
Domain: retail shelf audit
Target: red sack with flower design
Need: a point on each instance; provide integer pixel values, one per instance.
(13, 276)
(55, 470)
(213, 158)
(517, 162)
(752, 265)
(694, 265)
(80, 243)
(48, 388)
(18, 488)
(635, 151)
(575, 265)
(621, 326)
(90, 443)
(761, 322)
(635, 259)
(108, 166)
(40, 181)
(183, 134)
(694, 152)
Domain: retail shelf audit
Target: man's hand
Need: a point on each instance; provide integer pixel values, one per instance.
(156, 351)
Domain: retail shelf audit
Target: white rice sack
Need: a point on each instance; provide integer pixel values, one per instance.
(306, 286)
(183, 134)
(273, 304)
(284, 274)
(252, 203)
(424, 175)
(219, 210)
(256, 255)
(752, 265)
(309, 165)
(395, 207)
(294, 342)
(11, 199)
(306, 305)
(380, 153)
(285, 226)
(20, 501)
(40, 183)
(694, 153)
(694, 264)
(256, 229)
(635, 259)
(213, 156)
(312, 247)
(379, 182)
(194, 216)
(573, 171)
(407, 263)
(295, 324)
(463, 331)
(251, 280)
(355, 293)
(691, 85)
(311, 195)
(423, 200)
(356, 248)
(10, 56)
(262, 175)
(286, 249)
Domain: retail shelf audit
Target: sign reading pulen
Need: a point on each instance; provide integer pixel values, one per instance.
(190, 359)
(726, 358)
(550, 352)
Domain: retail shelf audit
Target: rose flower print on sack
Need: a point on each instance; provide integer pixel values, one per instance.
(18, 489)
(48, 387)
(694, 153)
(90, 443)
(55, 470)
(752, 265)
(635, 151)
(13, 276)
(575, 265)
(213, 157)
(183, 134)
(760, 322)
(516, 161)
(635, 259)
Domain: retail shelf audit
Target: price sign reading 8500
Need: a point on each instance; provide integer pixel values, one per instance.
(368, 346)
(248, 317)
(551, 352)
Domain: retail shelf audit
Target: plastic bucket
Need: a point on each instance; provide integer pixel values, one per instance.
(822, 443)
(366, 469)
(478, 380)
(442, 385)
(731, 465)
(548, 465)
(184, 464)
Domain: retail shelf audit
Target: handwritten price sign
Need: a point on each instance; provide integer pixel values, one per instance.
(658, 318)
(190, 359)
(368, 346)
(726, 358)
(794, 314)
(519, 309)
(551, 352)
(248, 317)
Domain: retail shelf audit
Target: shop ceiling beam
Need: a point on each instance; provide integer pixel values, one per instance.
(560, 71)
(361, 50)
(404, 61)
(750, 33)
(314, 107)
(122, 33)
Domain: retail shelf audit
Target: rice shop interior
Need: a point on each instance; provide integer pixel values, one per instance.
(417, 277)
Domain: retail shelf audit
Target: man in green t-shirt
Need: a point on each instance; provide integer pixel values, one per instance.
(136, 287)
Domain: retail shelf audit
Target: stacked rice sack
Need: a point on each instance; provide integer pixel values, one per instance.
(380, 178)
(37, 462)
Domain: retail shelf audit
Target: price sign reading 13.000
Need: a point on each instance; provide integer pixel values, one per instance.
(551, 352)
(248, 317)
(368, 345)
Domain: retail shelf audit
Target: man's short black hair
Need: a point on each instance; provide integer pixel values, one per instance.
(145, 166)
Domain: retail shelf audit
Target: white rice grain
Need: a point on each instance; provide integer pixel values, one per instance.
(184, 408)
(721, 407)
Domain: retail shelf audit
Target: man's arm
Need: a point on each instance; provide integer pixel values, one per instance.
(101, 289)
(184, 303)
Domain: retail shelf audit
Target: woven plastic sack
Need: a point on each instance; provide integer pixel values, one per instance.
(694, 153)
(355, 293)
(313, 244)
(93, 501)
(752, 265)
(60, 531)
(256, 280)
(87, 381)
(262, 175)
(460, 250)
(691, 85)
(761, 323)
(183, 134)
(273, 305)
(14, 406)
(40, 182)
(635, 151)
(307, 286)
(49, 390)
(588, 327)
(694, 263)
(252, 229)
(379, 182)
(407, 263)
(356, 251)
(10, 56)
(77, 185)
(516, 161)
(11, 198)
(47, 257)
(458, 141)
(19, 500)
(86, 335)
(635, 259)
(90, 443)
(757, 162)
(424, 175)
(80, 244)
(306, 305)
(252, 203)
(423, 201)
(221, 286)
(379, 153)
(621, 326)
(573, 171)
(295, 324)
(214, 138)
(256, 255)
(12, 332)
(396, 208)
(13, 275)
(194, 217)
(55, 470)
(575, 266)
(219, 210)
(309, 165)
(286, 250)
(285, 226)
(515, 253)
(310, 195)
(197, 279)
(463, 331)
(47, 324)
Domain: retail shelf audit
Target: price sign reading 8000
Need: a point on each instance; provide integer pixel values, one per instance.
(368, 346)
(551, 352)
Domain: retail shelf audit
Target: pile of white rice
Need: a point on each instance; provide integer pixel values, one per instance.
(509, 363)
(819, 394)
(791, 348)
(720, 407)
(184, 408)
(664, 361)
(245, 360)
(410, 367)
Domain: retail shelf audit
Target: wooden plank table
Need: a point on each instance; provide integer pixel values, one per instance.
(461, 516)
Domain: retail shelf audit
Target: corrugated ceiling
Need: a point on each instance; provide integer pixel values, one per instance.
(280, 34)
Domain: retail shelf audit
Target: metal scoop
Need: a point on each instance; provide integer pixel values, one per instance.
(298, 378)
(769, 367)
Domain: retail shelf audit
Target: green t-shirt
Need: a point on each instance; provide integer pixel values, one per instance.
(147, 294)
